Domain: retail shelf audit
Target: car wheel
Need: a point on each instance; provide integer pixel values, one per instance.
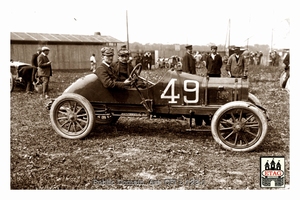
(239, 126)
(12, 82)
(72, 116)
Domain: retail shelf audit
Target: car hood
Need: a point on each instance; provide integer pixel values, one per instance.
(18, 63)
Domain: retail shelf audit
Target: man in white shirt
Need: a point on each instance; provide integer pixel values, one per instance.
(93, 62)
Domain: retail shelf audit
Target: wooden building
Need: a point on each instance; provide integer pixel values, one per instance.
(67, 51)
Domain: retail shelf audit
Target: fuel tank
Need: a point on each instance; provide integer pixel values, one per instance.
(224, 90)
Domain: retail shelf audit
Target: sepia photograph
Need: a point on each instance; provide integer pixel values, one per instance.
(190, 96)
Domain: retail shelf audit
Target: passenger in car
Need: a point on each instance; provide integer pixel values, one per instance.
(106, 72)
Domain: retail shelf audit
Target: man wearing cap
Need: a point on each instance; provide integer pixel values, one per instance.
(106, 72)
(188, 61)
(123, 47)
(214, 63)
(44, 70)
(244, 62)
(122, 67)
(232, 67)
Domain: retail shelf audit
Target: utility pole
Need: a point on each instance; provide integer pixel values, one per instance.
(227, 37)
(229, 34)
(272, 40)
(127, 30)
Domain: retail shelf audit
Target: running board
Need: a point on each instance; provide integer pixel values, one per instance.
(131, 115)
(204, 129)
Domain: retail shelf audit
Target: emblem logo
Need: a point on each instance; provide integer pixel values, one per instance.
(272, 171)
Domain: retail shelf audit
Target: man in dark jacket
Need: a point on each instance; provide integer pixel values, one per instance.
(286, 61)
(34, 63)
(214, 63)
(122, 67)
(188, 61)
(44, 70)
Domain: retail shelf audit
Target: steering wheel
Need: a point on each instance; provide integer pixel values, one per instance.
(135, 75)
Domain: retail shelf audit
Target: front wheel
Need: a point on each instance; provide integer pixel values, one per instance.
(72, 116)
(239, 126)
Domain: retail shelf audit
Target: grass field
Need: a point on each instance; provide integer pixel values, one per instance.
(140, 153)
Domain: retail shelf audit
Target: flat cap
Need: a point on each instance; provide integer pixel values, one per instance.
(45, 48)
(123, 46)
(246, 53)
(123, 52)
(189, 46)
(214, 47)
(107, 51)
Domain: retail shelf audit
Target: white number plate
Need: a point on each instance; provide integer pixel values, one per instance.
(173, 97)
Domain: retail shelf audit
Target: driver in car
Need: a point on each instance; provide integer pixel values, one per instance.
(106, 72)
(122, 67)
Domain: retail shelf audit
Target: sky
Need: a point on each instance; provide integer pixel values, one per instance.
(159, 21)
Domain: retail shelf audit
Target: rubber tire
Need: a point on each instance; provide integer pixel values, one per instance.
(253, 99)
(80, 100)
(235, 105)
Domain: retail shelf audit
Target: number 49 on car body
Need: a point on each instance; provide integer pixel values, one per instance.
(173, 97)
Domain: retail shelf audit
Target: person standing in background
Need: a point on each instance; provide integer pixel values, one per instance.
(44, 70)
(188, 61)
(286, 62)
(34, 63)
(214, 63)
(243, 63)
(232, 67)
(93, 62)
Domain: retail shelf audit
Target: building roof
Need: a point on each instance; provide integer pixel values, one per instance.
(48, 37)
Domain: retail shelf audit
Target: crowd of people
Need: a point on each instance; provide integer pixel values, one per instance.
(274, 58)
(236, 64)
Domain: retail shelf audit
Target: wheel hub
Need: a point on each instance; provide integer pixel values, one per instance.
(238, 126)
(72, 117)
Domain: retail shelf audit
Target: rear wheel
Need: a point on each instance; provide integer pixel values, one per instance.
(239, 126)
(72, 116)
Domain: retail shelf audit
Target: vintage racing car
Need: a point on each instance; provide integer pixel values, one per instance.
(238, 121)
